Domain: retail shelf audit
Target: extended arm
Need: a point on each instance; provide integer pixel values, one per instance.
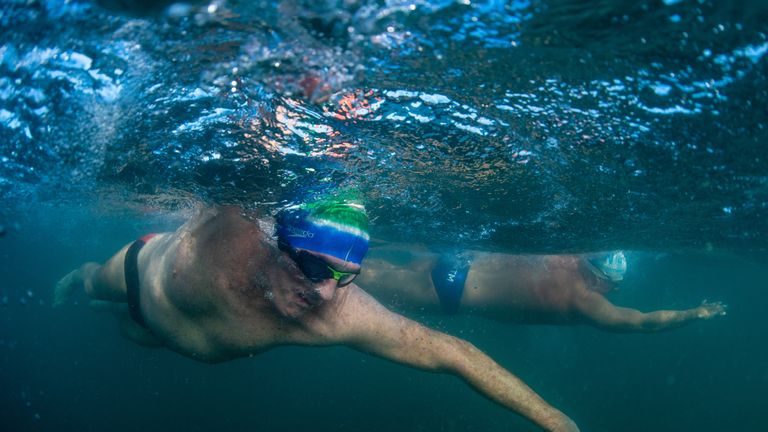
(599, 311)
(374, 329)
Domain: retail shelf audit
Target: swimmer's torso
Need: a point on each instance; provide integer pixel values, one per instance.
(206, 284)
(531, 284)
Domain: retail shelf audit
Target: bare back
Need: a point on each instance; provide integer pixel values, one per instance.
(540, 288)
(204, 290)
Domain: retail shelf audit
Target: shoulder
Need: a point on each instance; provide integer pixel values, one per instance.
(351, 312)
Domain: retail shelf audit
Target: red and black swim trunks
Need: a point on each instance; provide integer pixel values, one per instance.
(131, 271)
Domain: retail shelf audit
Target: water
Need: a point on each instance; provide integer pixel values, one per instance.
(523, 126)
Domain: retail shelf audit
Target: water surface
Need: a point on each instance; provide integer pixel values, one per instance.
(518, 126)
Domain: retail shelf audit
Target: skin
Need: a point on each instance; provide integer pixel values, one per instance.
(219, 288)
(551, 289)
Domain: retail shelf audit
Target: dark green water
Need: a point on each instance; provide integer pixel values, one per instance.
(523, 126)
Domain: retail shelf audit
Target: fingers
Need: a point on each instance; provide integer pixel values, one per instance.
(723, 308)
(713, 309)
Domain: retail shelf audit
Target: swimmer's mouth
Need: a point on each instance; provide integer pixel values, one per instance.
(304, 300)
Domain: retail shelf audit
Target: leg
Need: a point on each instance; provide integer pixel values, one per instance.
(100, 282)
(128, 327)
(136, 333)
(597, 310)
(105, 286)
(400, 278)
(75, 279)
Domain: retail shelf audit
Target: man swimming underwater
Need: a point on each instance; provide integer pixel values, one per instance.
(557, 289)
(220, 288)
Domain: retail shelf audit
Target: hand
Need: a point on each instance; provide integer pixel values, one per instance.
(708, 310)
(567, 425)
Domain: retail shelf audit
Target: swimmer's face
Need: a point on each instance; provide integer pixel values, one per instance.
(298, 295)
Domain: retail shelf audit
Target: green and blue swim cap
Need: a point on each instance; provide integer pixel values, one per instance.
(333, 226)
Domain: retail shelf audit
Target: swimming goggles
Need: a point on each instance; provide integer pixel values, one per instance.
(317, 270)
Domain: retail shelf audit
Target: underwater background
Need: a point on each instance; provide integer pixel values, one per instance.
(513, 126)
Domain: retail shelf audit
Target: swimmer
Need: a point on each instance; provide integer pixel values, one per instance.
(221, 288)
(552, 289)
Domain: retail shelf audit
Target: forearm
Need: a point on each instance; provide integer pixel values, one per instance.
(665, 319)
(499, 385)
(596, 309)
(439, 352)
(399, 339)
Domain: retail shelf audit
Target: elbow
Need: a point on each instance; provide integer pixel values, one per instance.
(460, 354)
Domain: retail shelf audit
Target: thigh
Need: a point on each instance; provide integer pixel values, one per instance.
(108, 282)
(129, 329)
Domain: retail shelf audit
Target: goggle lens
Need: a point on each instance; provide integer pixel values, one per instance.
(316, 270)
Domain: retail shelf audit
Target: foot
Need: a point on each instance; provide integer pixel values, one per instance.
(66, 286)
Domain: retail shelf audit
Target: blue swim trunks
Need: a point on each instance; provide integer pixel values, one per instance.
(448, 277)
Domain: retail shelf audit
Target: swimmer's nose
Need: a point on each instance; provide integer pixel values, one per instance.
(326, 289)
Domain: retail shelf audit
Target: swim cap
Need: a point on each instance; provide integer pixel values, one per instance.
(333, 226)
(612, 266)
